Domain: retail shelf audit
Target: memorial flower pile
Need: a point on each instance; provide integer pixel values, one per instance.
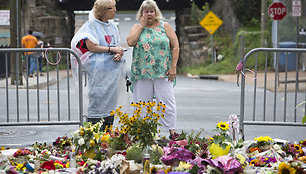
(93, 151)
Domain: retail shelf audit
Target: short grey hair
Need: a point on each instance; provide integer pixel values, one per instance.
(100, 7)
(151, 5)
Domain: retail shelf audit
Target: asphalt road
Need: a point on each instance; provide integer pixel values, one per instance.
(201, 104)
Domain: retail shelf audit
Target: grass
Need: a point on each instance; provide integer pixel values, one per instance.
(226, 66)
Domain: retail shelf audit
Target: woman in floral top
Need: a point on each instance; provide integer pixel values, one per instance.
(155, 55)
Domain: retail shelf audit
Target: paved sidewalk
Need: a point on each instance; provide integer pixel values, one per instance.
(47, 78)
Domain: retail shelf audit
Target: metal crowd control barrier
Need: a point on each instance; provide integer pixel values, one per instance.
(280, 110)
(40, 100)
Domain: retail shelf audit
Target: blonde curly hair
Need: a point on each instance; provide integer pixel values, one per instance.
(151, 5)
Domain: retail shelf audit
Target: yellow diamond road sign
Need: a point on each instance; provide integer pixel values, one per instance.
(211, 22)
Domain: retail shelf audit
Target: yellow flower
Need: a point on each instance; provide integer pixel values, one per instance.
(298, 148)
(92, 143)
(2, 148)
(284, 168)
(96, 136)
(158, 107)
(105, 137)
(263, 139)
(67, 165)
(112, 112)
(58, 165)
(223, 125)
(163, 110)
(241, 158)
(183, 166)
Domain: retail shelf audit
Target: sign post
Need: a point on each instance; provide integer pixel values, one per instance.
(211, 23)
(297, 12)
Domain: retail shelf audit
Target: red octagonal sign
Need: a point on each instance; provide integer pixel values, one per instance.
(277, 11)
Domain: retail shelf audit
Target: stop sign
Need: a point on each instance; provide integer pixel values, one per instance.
(277, 11)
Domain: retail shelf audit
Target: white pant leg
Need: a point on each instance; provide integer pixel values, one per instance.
(143, 90)
(164, 93)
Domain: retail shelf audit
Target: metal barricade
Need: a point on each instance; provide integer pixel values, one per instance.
(41, 100)
(273, 103)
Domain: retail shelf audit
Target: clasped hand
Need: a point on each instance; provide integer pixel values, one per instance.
(118, 53)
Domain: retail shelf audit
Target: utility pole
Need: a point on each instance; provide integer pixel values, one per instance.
(263, 22)
(16, 62)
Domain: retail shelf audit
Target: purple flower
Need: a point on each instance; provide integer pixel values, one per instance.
(176, 153)
(227, 164)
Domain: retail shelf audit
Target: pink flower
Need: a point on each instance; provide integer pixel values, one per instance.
(152, 62)
(143, 71)
(182, 143)
(158, 29)
(146, 46)
(148, 36)
(161, 52)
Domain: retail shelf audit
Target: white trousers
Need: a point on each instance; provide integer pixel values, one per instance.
(144, 90)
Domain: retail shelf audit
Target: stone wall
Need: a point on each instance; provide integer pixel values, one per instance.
(193, 49)
(46, 17)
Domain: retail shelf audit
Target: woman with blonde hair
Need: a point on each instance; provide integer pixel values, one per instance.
(97, 43)
(155, 56)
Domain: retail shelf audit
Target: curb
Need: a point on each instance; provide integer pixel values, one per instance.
(206, 77)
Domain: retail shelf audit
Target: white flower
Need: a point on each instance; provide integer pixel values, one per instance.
(81, 141)
(211, 170)
(233, 123)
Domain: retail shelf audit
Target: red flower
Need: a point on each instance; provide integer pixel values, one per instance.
(122, 153)
(81, 163)
(49, 165)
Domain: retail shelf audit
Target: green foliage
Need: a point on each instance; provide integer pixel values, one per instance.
(198, 14)
(61, 66)
(227, 66)
(156, 153)
(246, 41)
(248, 12)
(196, 144)
(118, 142)
(134, 152)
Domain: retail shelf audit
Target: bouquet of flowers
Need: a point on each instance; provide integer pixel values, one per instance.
(192, 142)
(144, 118)
(263, 143)
(22, 152)
(62, 142)
(118, 140)
(111, 165)
(88, 139)
(221, 143)
(293, 149)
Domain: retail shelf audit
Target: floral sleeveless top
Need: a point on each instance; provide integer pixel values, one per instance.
(152, 55)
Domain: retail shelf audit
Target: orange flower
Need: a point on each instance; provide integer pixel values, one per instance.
(253, 149)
